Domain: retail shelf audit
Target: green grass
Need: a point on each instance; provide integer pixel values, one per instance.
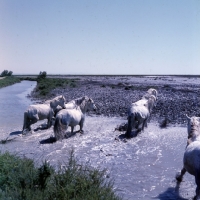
(21, 180)
(46, 85)
(10, 80)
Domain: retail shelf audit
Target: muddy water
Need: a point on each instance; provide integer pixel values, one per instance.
(143, 167)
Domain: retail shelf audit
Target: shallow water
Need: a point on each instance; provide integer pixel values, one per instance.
(143, 167)
(13, 102)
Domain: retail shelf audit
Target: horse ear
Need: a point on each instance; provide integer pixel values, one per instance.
(187, 117)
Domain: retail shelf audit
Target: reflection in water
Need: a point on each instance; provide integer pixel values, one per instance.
(143, 167)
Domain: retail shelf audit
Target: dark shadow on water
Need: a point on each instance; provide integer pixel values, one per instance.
(53, 139)
(171, 194)
(132, 135)
(68, 135)
(15, 133)
(48, 140)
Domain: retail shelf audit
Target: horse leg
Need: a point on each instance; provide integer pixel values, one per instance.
(131, 124)
(50, 119)
(49, 122)
(33, 121)
(81, 126)
(179, 175)
(144, 124)
(26, 124)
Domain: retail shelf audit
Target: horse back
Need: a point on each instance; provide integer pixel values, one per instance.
(71, 117)
(42, 111)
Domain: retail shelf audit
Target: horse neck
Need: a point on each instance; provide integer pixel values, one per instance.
(194, 133)
(83, 107)
(54, 104)
(150, 105)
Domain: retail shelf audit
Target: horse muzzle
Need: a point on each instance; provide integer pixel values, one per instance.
(95, 108)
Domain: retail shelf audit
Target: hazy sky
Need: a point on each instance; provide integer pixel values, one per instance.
(100, 36)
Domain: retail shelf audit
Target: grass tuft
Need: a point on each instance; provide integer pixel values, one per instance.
(20, 179)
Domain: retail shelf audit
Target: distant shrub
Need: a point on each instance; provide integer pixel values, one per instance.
(6, 73)
(42, 75)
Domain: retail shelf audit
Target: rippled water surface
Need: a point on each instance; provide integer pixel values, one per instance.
(143, 167)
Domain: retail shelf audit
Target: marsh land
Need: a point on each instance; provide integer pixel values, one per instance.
(177, 95)
(142, 167)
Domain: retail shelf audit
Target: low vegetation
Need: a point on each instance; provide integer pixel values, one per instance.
(46, 85)
(20, 179)
(6, 73)
(9, 80)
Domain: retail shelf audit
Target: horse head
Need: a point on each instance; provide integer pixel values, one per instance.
(153, 91)
(87, 104)
(91, 105)
(193, 126)
(60, 100)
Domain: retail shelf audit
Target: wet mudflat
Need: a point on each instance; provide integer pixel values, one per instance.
(143, 167)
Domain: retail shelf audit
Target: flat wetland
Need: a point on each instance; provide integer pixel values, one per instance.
(143, 167)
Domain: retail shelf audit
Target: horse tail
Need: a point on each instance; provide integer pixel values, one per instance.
(25, 121)
(58, 128)
(131, 118)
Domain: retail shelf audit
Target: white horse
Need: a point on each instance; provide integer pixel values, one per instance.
(38, 112)
(71, 104)
(72, 117)
(191, 159)
(139, 113)
(149, 93)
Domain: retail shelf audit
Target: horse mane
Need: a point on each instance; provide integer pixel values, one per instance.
(85, 99)
(79, 100)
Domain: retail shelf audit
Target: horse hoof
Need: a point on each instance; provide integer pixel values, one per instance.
(179, 178)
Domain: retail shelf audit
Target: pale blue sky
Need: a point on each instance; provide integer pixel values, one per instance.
(100, 36)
